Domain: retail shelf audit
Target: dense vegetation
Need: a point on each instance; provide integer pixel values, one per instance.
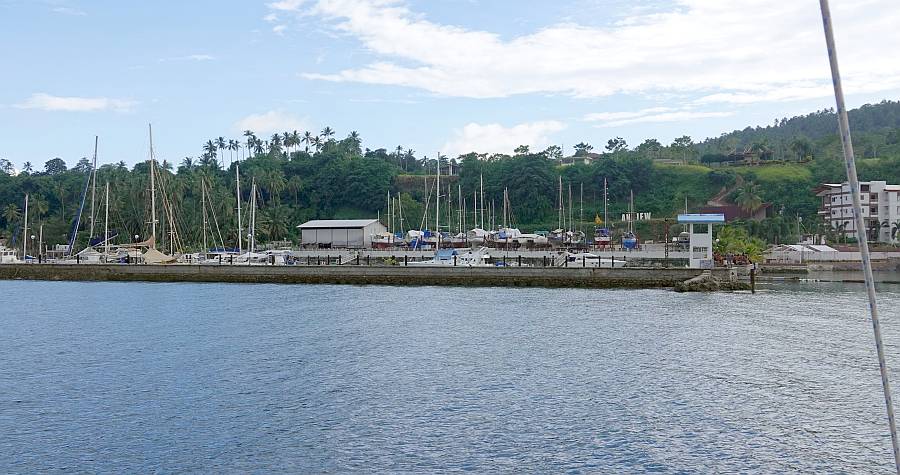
(306, 176)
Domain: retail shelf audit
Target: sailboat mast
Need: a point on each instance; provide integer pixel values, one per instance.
(93, 188)
(152, 188)
(581, 206)
(106, 224)
(571, 228)
(205, 216)
(400, 209)
(605, 205)
(631, 212)
(437, 202)
(25, 231)
(459, 209)
(559, 210)
(237, 194)
(251, 238)
(481, 179)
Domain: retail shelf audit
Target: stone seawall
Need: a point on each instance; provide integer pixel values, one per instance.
(362, 275)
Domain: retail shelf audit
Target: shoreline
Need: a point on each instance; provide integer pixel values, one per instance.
(633, 278)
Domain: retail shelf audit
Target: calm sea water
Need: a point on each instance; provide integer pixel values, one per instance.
(133, 377)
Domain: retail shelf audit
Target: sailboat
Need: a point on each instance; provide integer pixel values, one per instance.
(153, 255)
(602, 236)
(629, 239)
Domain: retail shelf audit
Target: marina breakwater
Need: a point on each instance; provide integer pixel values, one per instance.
(367, 275)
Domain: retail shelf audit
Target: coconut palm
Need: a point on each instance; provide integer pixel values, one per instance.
(27, 167)
(209, 149)
(317, 143)
(327, 133)
(274, 182)
(296, 138)
(294, 185)
(273, 222)
(275, 143)
(11, 214)
(748, 198)
(232, 146)
(307, 139)
(221, 144)
(251, 140)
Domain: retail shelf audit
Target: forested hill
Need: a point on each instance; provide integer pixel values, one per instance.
(874, 126)
(299, 176)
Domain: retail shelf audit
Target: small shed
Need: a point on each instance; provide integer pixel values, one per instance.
(340, 233)
(701, 241)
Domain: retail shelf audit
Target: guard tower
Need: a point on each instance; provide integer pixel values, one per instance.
(700, 227)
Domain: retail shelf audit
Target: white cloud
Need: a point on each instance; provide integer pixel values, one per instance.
(69, 11)
(271, 122)
(728, 51)
(495, 138)
(651, 115)
(47, 102)
(190, 57)
(279, 29)
(287, 5)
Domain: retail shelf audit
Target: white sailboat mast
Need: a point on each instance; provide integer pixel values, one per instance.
(437, 202)
(237, 194)
(605, 205)
(205, 216)
(152, 188)
(25, 231)
(481, 179)
(106, 224)
(559, 210)
(251, 239)
(93, 187)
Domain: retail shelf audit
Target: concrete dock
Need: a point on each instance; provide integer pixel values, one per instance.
(631, 277)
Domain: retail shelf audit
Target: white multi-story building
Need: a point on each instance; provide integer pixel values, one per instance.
(880, 208)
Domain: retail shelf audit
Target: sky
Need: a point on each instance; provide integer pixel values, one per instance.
(448, 76)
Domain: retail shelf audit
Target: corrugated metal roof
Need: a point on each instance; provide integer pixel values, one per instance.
(337, 223)
(701, 218)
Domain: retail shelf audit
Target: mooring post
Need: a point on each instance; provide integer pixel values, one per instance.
(454, 260)
(367, 259)
(405, 259)
(753, 279)
(583, 261)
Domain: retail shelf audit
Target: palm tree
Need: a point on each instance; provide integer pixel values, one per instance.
(221, 144)
(187, 163)
(209, 149)
(327, 132)
(307, 139)
(317, 143)
(748, 198)
(275, 183)
(251, 139)
(11, 214)
(275, 143)
(294, 185)
(273, 222)
(258, 146)
(232, 146)
(295, 138)
(27, 168)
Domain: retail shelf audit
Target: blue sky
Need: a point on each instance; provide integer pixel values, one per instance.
(432, 75)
